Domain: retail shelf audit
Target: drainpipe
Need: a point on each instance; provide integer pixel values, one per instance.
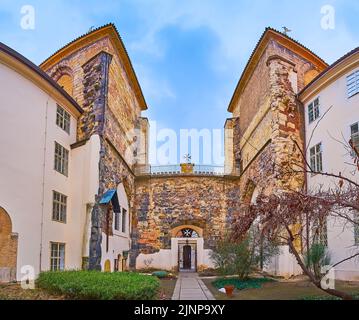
(43, 185)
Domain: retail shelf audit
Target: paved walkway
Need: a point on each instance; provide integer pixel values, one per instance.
(190, 287)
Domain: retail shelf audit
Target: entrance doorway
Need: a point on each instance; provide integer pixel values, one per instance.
(187, 256)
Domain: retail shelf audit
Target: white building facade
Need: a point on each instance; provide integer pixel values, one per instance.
(331, 106)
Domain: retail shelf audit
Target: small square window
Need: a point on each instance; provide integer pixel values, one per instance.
(59, 207)
(313, 111)
(356, 228)
(57, 256)
(320, 229)
(117, 220)
(353, 84)
(61, 159)
(354, 129)
(63, 119)
(316, 158)
(124, 220)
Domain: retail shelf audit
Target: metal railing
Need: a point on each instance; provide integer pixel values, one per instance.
(203, 170)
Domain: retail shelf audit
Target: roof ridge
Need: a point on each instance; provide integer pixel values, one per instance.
(18, 56)
(342, 58)
(267, 29)
(78, 38)
(141, 97)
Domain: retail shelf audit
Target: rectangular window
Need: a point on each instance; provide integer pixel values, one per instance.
(353, 84)
(316, 158)
(57, 256)
(117, 220)
(61, 159)
(354, 129)
(313, 110)
(59, 207)
(63, 119)
(321, 232)
(124, 220)
(356, 228)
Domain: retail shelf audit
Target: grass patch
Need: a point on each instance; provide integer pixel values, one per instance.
(317, 298)
(252, 283)
(93, 285)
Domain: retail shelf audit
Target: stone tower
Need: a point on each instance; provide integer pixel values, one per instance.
(96, 70)
(267, 117)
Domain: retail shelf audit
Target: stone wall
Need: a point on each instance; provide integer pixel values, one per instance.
(270, 120)
(111, 110)
(163, 203)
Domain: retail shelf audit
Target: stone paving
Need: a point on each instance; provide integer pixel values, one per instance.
(190, 287)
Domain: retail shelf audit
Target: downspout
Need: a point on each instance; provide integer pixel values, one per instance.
(307, 227)
(43, 185)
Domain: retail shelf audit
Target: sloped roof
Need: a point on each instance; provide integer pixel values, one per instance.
(257, 53)
(93, 35)
(343, 58)
(36, 70)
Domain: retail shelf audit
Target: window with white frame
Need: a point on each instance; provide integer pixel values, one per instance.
(353, 84)
(59, 207)
(61, 159)
(117, 220)
(356, 228)
(316, 158)
(63, 119)
(313, 111)
(124, 220)
(354, 129)
(320, 230)
(57, 256)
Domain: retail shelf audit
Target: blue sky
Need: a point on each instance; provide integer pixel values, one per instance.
(188, 54)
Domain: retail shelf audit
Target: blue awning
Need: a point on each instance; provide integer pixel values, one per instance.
(111, 196)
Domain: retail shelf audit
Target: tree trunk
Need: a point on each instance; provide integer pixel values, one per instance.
(312, 278)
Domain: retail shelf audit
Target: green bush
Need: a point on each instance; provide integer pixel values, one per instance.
(99, 285)
(317, 257)
(160, 274)
(241, 284)
(243, 258)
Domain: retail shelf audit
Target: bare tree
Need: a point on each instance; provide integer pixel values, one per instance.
(294, 216)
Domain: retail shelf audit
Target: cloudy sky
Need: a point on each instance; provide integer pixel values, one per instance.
(188, 54)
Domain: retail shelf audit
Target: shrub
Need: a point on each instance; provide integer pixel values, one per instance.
(241, 284)
(242, 258)
(317, 257)
(99, 286)
(160, 274)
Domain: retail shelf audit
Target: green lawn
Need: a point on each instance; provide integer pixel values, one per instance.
(14, 291)
(281, 291)
(167, 286)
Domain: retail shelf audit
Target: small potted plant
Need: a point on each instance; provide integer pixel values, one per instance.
(229, 290)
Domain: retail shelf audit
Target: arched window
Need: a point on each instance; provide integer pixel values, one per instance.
(66, 82)
(187, 233)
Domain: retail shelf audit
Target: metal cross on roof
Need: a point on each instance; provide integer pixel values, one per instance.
(286, 30)
(188, 158)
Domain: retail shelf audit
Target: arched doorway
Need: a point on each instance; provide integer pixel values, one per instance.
(187, 247)
(8, 248)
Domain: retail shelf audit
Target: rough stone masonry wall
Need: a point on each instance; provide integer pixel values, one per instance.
(265, 137)
(163, 203)
(8, 249)
(102, 88)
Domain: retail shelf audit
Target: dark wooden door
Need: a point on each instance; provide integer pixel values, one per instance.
(187, 257)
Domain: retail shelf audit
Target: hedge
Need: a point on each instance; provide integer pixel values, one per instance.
(94, 285)
(241, 284)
